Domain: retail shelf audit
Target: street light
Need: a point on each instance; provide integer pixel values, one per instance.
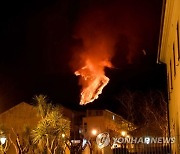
(123, 133)
(63, 135)
(94, 132)
(3, 140)
(92, 140)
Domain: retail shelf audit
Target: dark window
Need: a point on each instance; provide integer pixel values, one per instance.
(168, 86)
(89, 113)
(174, 58)
(178, 41)
(171, 75)
(85, 127)
(99, 113)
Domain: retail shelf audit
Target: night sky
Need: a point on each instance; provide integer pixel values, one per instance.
(38, 42)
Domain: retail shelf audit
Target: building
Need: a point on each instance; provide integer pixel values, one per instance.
(76, 124)
(100, 121)
(15, 120)
(85, 126)
(104, 121)
(169, 53)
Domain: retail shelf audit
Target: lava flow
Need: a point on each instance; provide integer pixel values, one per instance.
(93, 77)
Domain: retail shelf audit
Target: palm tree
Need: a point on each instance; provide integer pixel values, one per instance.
(4, 146)
(43, 105)
(53, 129)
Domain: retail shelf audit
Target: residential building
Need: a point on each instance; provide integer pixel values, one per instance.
(17, 119)
(101, 121)
(85, 125)
(169, 53)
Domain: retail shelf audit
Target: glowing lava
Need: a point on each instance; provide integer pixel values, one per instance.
(93, 80)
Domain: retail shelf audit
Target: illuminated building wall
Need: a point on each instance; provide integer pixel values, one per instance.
(18, 118)
(100, 121)
(169, 53)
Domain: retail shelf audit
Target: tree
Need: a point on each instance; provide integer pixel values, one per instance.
(156, 111)
(145, 110)
(22, 144)
(4, 146)
(52, 130)
(43, 105)
(127, 101)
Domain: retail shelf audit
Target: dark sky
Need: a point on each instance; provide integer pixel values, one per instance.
(37, 37)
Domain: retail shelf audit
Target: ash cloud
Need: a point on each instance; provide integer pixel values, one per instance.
(109, 35)
(118, 31)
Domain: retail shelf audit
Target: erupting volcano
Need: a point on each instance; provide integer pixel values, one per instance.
(98, 36)
(94, 79)
(94, 53)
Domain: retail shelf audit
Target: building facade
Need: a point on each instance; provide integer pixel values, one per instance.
(85, 126)
(15, 120)
(101, 121)
(169, 53)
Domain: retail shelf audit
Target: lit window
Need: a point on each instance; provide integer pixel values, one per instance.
(113, 117)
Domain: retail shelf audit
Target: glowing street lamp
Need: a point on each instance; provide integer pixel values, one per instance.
(123, 133)
(63, 135)
(94, 132)
(3, 140)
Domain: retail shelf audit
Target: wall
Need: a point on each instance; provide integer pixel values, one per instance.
(169, 53)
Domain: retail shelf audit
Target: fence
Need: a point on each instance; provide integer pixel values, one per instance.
(152, 148)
